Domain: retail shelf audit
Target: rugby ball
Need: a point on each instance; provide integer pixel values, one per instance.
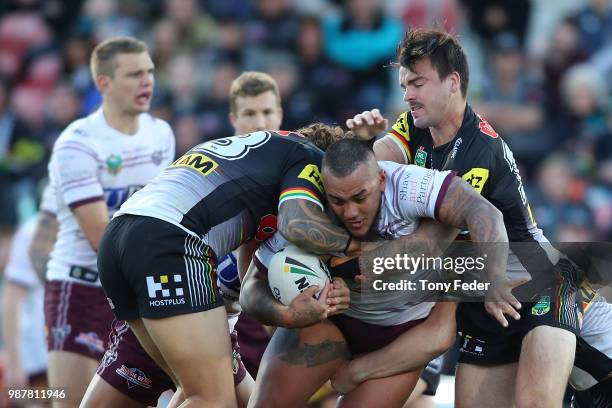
(293, 270)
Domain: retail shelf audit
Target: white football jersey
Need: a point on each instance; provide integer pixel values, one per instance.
(93, 161)
(411, 193)
(19, 270)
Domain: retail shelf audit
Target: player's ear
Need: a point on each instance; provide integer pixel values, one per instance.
(455, 82)
(102, 82)
(232, 119)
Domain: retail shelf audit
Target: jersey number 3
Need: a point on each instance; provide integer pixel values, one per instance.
(235, 147)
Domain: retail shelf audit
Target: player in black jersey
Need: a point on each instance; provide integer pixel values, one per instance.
(529, 361)
(157, 257)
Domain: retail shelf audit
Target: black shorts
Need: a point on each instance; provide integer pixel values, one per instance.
(485, 342)
(151, 268)
(431, 375)
(598, 396)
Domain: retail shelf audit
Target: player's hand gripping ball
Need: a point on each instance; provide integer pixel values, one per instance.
(293, 270)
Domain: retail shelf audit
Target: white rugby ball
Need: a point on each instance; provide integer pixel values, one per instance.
(292, 271)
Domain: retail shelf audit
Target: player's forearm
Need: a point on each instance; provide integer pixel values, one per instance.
(42, 243)
(257, 300)
(412, 350)
(487, 229)
(465, 208)
(12, 297)
(303, 223)
(430, 239)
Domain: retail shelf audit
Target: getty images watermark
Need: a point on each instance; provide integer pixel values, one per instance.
(411, 265)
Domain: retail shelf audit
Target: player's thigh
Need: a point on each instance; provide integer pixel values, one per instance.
(101, 394)
(147, 343)
(296, 363)
(547, 357)
(71, 372)
(485, 386)
(386, 392)
(196, 347)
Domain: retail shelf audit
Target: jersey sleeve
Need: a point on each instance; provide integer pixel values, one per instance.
(400, 135)
(265, 252)
(48, 200)
(74, 173)
(170, 150)
(302, 178)
(419, 191)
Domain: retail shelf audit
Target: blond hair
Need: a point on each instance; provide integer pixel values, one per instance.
(252, 83)
(103, 58)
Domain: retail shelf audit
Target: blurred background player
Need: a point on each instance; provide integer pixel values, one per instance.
(96, 164)
(254, 105)
(23, 319)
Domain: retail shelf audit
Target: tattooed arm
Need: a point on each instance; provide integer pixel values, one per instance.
(303, 224)
(256, 299)
(42, 243)
(464, 208)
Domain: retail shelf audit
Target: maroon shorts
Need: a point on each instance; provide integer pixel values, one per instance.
(253, 342)
(77, 318)
(363, 337)
(128, 368)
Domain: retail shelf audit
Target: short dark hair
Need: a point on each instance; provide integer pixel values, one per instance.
(323, 135)
(252, 83)
(343, 157)
(442, 49)
(103, 58)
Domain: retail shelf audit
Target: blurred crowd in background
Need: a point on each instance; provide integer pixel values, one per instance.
(541, 73)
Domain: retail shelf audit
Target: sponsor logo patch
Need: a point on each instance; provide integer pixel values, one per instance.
(420, 158)
(197, 161)
(311, 173)
(477, 177)
(134, 377)
(542, 307)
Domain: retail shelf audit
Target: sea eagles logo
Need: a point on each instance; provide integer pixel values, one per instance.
(114, 164)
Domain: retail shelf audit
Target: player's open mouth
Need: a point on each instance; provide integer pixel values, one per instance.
(144, 97)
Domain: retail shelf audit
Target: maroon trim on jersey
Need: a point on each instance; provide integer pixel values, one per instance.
(85, 201)
(442, 193)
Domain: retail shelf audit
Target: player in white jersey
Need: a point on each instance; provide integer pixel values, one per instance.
(378, 201)
(23, 320)
(97, 163)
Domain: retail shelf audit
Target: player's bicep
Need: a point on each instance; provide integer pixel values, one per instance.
(459, 202)
(385, 149)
